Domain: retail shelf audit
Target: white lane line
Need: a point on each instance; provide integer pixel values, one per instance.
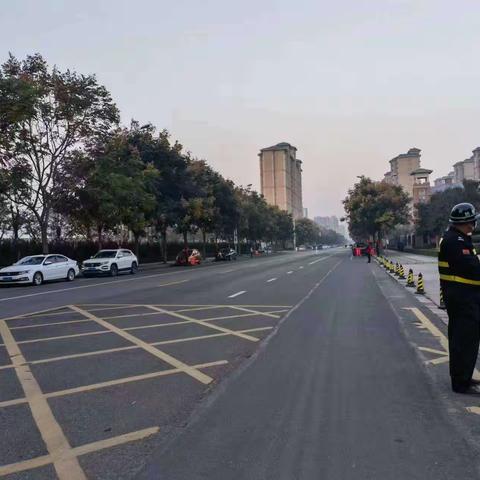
(271, 280)
(320, 259)
(300, 268)
(90, 285)
(237, 294)
(290, 272)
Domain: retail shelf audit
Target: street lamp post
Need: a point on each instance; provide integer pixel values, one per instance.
(294, 236)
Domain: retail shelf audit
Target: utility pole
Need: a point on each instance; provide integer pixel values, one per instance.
(294, 236)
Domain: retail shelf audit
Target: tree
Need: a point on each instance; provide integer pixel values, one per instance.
(307, 232)
(45, 116)
(374, 208)
(110, 186)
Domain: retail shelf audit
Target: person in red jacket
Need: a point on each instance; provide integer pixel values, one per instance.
(369, 252)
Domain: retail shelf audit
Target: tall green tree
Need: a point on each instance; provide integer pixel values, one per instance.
(375, 208)
(45, 116)
(307, 232)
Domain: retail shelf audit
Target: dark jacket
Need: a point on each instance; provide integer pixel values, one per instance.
(458, 264)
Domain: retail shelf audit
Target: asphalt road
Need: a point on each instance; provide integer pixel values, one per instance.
(297, 366)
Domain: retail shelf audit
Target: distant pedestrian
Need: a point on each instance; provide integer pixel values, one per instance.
(369, 252)
(459, 269)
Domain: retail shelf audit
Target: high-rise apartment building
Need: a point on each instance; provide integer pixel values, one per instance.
(281, 178)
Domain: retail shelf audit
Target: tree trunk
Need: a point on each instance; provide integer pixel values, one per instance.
(44, 234)
(99, 234)
(204, 244)
(164, 245)
(136, 239)
(185, 239)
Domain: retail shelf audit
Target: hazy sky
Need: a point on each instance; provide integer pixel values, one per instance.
(350, 83)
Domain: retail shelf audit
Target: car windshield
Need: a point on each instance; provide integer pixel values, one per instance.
(106, 254)
(31, 260)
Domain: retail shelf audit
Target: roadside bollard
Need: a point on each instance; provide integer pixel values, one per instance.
(442, 301)
(410, 279)
(401, 275)
(397, 269)
(420, 287)
(392, 267)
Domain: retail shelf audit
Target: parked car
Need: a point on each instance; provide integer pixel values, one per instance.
(37, 269)
(110, 262)
(188, 256)
(225, 254)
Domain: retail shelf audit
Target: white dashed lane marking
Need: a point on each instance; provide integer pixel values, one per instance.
(237, 294)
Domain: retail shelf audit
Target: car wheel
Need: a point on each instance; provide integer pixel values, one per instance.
(113, 270)
(37, 279)
(71, 275)
(134, 268)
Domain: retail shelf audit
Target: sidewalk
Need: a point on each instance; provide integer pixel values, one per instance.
(423, 264)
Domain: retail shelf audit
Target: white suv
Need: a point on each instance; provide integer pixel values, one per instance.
(110, 262)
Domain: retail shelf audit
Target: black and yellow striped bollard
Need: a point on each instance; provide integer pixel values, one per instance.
(397, 269)
(410, 279)
(420, 286)
(401, 274)
(442, 301)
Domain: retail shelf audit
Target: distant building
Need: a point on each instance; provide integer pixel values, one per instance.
(406, 172)
(443, 183)
(401, 168)
(281, 178)
(464, 170)
(331, 223)
(421, 191)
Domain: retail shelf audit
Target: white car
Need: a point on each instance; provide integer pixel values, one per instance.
(111, 262)
(37, 269)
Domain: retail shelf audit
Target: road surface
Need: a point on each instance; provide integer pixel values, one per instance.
(296, 366)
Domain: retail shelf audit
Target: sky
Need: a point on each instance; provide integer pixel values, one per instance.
(350, 83)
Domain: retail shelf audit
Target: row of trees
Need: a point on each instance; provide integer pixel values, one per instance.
(68, 169)
(374, 209)
(432, 217)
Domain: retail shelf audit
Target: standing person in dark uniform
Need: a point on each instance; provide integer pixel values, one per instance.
(459, 269)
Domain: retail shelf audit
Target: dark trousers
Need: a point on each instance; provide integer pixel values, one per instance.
(369, 255)
(463, 335)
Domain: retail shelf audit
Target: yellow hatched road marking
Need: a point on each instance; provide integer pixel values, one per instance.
(197, 375)
(428, 325)
(155, 325)
(23, 327)
(255, 312)
(111, 383)
(51, 432)
(133, 347)
(78, 451)
(432, 350)
(206, 324)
